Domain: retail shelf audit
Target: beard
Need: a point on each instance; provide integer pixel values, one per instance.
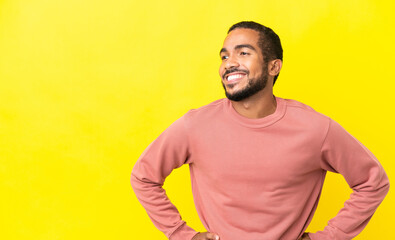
(253, 86)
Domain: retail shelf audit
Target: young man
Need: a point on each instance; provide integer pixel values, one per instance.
(257, 161)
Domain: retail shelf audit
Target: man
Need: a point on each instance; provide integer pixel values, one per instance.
(257, 161)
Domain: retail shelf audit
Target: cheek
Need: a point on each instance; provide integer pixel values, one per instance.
(257, 69)
(221, 70)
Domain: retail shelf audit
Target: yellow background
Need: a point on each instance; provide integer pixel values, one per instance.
(85, 86)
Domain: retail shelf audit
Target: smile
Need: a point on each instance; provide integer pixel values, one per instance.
(235, 77)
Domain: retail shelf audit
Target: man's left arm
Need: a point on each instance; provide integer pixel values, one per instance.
(342, 153)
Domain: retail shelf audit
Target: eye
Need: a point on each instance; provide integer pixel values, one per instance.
(244, 53)
(224, 57)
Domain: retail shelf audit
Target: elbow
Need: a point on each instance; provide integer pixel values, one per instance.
(387, 186)
(137, 184)
(134, 181)
(141, 183)
(135, 178)
(386, 183)
(384, 186)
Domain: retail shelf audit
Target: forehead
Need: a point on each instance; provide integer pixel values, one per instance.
(241, 36)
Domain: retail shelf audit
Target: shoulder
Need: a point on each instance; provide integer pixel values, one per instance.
(206, 111)
(301, 109)
(303, 114)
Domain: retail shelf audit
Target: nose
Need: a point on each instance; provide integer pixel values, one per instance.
(231, 62)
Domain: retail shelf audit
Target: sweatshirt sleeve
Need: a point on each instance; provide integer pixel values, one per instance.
(342, 153)
(167, 152)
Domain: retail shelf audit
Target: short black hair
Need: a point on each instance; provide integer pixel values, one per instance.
(269, 41)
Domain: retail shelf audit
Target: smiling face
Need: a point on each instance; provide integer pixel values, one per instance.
(243, 70)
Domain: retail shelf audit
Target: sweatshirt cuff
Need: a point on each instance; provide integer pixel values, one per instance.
(330, 233)
(318, 236)
(311, 236)
(184, 232)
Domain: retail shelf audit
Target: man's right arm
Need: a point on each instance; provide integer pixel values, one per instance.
(167, 152)
(342, 153)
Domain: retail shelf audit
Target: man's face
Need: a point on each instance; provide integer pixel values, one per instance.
(243, 70)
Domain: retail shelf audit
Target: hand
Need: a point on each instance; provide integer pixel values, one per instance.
(305, 236)
(206, 236)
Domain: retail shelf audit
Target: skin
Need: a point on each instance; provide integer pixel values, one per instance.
(206, 236)
(250, 61)
(305, 236)
(241, 51)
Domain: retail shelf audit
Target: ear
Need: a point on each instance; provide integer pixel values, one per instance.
(274, 67)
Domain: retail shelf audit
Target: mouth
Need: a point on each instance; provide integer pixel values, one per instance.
(234, 77)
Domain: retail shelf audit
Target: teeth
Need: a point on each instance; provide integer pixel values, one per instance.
(235, 76)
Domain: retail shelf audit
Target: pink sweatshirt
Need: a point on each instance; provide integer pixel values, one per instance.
(259, 179)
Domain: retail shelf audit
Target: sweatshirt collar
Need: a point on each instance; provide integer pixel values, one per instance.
(257, 122)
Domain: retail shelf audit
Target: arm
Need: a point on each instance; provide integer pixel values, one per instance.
(167, 152)
(342, 153)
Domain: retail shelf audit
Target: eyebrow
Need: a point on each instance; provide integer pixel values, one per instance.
(239, 47)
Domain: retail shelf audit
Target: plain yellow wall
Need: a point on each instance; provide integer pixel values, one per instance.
(85, 86)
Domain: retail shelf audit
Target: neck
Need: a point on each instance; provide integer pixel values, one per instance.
(259, 105)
